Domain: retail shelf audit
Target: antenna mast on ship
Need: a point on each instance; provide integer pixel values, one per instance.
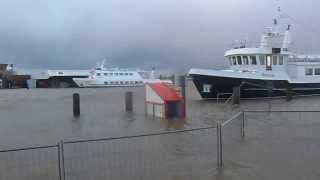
(274, 32)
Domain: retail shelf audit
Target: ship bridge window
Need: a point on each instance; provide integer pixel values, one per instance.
(116, 74)
(280, 60)
(317, 71)
(120, 74)
(239, 60)
(262, 60)
(126, 74)
(245, 60)
(98, 74)
(230, 60)
(234, 60)
(106, 74)
(274, 60)
(253, 60)
(309, 72)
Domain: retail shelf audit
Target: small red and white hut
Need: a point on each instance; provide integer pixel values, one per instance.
(164, 101)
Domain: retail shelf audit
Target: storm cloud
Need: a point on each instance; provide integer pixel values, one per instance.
(167, 34)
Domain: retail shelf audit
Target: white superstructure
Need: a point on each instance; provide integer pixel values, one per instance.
(116, 77)
(271, 64)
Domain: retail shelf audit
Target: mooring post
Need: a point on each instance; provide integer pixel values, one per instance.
(236, 95)
(242, 124)
(173, 79)
(219, 145)
(76, 105)
(182, 82)
(128, 101)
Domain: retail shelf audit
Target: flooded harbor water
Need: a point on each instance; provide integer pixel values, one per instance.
(44, 117)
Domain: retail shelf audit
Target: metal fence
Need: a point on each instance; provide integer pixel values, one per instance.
(253, 143)
(272, 144)
(164, 155)
(34, 163)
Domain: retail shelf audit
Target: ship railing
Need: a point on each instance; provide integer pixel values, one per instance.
(220, 95)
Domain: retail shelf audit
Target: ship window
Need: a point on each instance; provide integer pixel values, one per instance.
(239, 60)
(117, 82)
(121, 82)
(130, 74)
(98, 74)
(126, 74)
(262, 60)
(317, 71)
(245, 60)
(234, 60)
(309, 72)
(253, 60)
(106, 83)
(116, 74)
(111, 82)
(280, 60)
(120, 74)
(106, 74)
(127, 82)
(230, 61)
(274, 60)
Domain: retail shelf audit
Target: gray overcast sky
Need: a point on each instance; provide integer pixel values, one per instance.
(174, 34)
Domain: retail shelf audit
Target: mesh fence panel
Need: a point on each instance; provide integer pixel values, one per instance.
(33, 164)
(187, 155)
(281, 145)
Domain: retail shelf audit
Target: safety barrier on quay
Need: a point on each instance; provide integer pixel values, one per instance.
(164, 154)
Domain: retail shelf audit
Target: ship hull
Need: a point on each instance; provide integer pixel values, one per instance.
(212, 87)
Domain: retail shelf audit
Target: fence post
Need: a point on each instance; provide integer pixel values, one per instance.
(242, 124)
(59, 160)
(61, 143)
(76, 105)
(219, 145)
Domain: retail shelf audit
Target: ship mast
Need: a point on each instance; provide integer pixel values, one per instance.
(274, 32)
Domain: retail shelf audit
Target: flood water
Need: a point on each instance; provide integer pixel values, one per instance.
(44, 116)
(39, 117)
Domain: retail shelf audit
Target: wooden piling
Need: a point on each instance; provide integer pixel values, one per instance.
(182, 82)
(128, 102)
(236, 95)
(76, 105)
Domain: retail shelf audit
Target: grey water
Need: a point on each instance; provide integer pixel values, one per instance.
(37, 117)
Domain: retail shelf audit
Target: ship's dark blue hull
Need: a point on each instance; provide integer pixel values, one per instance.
(250, 88)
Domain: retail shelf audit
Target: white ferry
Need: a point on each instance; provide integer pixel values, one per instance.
(268, 69)
(116, 77)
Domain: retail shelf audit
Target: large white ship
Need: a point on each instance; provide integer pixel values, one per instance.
(101, 76)
(269, 69)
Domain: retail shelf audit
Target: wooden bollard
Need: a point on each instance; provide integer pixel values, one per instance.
(236, 95)
(128, 101)
(76, 105)
(182, 82)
